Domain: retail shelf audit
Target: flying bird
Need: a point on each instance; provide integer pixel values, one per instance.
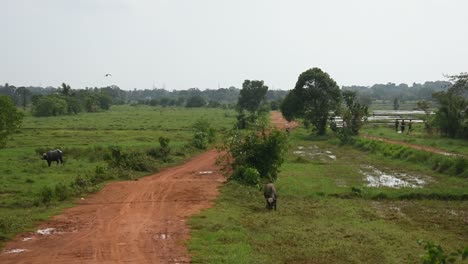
(107, 75)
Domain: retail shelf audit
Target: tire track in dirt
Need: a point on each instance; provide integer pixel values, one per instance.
(130, 221)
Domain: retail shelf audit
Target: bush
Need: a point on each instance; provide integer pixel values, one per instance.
(163, 151)
(435, 254)
(62, 192)
(200, 140)
(133, 160)
(247, 176)
(46, 195)
(261, 151)
(80, 184)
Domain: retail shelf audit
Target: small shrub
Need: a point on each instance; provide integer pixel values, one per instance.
(435, 254)
(356, 191)
(29, 180)
(46, 195)
(247, 176)
(200, 140)
(62, 192)
(80, 184)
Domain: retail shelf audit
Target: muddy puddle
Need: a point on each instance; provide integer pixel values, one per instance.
(15, 251)
(377, 178)
(314, 152)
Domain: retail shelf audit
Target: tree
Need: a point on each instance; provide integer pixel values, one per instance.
(10, 119)
(65, 89)
(452, 116)
(51, 105)
(195, 101)
(313, 97)
(251, 95)
(353, 114)
(23, 93)
(425, 106)
(396, 104)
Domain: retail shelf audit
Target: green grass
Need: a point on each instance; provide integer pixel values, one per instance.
(418, 137)
(318, 222)
(85, 138)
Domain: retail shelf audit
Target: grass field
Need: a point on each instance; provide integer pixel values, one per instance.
(419, 137)
(85, 138)
(328, 214)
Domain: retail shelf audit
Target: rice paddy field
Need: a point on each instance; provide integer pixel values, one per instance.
(336, 204)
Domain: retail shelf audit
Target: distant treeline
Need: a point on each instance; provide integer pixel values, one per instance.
(391, 91)
(93, 99)
(193, 97)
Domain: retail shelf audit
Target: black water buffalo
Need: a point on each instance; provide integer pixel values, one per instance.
(53, 155)
(269, 192)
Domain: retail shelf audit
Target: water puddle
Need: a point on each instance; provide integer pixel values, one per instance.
(205, 172)
(161, 236)
(378, 178)
(15, 250)
(46, 231)
(314, 152)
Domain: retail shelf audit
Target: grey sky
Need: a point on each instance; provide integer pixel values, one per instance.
(200, 43)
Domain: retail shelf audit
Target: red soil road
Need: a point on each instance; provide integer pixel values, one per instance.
(279, 122)
(127, 222)
(130, 221)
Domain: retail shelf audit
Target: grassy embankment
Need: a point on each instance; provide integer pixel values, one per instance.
(419, 137)
(327, 214)
(85, 139)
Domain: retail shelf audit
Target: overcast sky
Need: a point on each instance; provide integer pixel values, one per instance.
(206, 43)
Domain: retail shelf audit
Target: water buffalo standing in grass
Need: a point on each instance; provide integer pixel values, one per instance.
(53, 155)
(269, 192)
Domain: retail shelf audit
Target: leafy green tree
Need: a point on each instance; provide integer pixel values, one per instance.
(251, 95)
(313, 97)
(452, 115)
(51, 105)
(10, 119)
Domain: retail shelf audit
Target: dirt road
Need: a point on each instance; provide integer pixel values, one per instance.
(127, 222)
(279, 122)
(130, 221)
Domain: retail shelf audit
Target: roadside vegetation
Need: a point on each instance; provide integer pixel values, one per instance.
(124, 143)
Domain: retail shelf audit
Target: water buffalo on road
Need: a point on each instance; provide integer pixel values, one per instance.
(53, 155)
(269, 192)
